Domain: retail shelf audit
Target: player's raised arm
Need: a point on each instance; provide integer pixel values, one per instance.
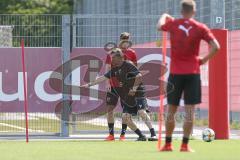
(96, 81)
(163, 20)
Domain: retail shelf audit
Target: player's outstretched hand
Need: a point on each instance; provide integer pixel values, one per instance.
(85, 86)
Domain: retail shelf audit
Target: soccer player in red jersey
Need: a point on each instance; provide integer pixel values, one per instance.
(113, 85)
(185, 37)
(129, 53)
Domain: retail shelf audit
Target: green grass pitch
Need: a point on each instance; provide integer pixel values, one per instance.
(129, 150)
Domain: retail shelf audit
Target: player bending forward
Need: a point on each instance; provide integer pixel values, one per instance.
(185, 34)
(113, 85)
(131, 92)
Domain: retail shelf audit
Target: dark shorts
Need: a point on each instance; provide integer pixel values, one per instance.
(133, 104)
(112, 97)
(188, 85)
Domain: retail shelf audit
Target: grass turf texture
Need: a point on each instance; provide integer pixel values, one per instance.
(100, 150)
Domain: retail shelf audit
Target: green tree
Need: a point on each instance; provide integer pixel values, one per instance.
(29, 19)
(36, 7)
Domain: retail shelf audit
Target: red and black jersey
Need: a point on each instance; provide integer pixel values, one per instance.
(129, 54)
(126, 74)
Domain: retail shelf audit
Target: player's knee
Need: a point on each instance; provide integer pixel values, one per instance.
(110, 113)
(189, 119)
(124, 120)
(110, 109)
(126, 117)
(170, 118)
(143, 114)
(110, 117)
(141, 111)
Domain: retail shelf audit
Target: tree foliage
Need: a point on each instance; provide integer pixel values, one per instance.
(34, 21)
(36, 7)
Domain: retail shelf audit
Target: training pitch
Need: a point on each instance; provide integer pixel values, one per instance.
(129, 150)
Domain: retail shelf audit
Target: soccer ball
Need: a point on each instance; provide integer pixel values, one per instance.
(208, 135)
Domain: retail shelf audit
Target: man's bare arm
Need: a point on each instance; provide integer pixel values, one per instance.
(162, 20)
(96, 81)
(214, 48)
(107, 69)
(137, 82)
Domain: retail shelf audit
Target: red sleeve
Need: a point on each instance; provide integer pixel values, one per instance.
(131, 56)
(167, 26)
(108, 60)
(134, 57)
(207, 35)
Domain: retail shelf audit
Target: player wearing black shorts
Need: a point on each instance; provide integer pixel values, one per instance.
(189, 84)
(113, 85)
(186, 35)
(131, 92)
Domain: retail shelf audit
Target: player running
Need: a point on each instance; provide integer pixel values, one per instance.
(131, 92)
(113, 85)
(185, 36)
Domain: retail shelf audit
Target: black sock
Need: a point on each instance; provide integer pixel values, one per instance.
(138, 132)
(124, 128)
(185, 140)
(168, 140)
(111, 128)
(152, 131)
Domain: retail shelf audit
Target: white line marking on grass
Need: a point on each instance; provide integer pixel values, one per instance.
(20, 128)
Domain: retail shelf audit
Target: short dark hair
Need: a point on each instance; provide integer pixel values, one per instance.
(188, 6)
